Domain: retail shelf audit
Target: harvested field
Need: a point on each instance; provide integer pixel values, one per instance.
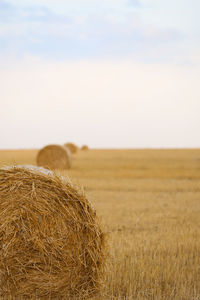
(149, 201)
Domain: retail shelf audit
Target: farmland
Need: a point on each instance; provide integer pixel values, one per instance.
(149, 204)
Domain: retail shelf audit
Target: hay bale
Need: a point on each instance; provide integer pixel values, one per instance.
(85, 148)
(51, 244)
(72, 147)
(54, 157)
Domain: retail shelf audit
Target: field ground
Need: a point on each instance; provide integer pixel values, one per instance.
(149, 202)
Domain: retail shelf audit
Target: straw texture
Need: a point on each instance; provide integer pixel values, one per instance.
(54, 157)
(51, 244)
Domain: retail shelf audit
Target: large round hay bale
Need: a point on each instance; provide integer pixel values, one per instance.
(85, 148)
(54, 157)
(72, 147)
(51, 244)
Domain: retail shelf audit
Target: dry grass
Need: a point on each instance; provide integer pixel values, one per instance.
(54, 157)
(149, 201)
(52, 246)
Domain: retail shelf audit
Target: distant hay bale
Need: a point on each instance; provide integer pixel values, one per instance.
(84, 148)
(51, 243)
(72, 147)
(54, 157)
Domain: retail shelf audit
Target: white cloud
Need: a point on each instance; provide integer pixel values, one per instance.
(180, 14)
(94, 28)
(77, 7)
(81, 37)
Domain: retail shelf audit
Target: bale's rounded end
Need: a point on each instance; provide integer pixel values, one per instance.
(54, 157)
(72, 147)
(85, 148)
(51, 243)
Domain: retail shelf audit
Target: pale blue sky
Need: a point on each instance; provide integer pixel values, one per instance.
(92, 28)
(105, 66)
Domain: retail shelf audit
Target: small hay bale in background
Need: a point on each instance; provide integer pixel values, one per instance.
(54, 157)
(72, 147)
(85, 148)
(51, 244)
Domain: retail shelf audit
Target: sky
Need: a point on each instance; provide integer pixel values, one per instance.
(107, 73)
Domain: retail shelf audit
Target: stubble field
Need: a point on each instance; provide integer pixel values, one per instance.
(149, 203)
